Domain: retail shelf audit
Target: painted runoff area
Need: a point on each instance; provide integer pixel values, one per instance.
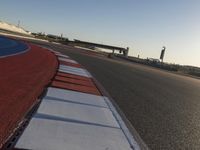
(75, 115)
(9, 47)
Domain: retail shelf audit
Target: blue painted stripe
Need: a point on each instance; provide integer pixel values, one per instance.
(11, 47)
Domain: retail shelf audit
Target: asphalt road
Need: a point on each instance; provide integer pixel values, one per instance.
(163, 107)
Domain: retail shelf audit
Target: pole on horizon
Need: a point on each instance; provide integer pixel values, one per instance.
(162, 53)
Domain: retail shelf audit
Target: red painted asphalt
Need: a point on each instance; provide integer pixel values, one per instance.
(22, 79)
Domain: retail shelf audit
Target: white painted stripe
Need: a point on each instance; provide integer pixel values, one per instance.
(68, 60)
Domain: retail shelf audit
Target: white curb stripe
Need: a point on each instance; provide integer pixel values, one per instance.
(67, 60)
(62, 56)
(75, 69)
(75, 72)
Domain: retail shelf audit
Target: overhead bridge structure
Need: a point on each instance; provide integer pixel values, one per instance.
(113, 48)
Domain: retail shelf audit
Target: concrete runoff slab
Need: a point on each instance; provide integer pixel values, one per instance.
(67, 60)
(77, 97)
(49, 134)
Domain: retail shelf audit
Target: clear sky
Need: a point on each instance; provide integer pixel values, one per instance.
(143, 25)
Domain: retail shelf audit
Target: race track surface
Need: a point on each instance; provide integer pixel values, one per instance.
(163, 107)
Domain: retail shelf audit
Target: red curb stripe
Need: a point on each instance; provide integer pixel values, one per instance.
(70, 64)
(74, 87)
(68, 75)
(75, 81)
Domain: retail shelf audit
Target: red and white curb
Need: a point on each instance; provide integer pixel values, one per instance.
(75, 115)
